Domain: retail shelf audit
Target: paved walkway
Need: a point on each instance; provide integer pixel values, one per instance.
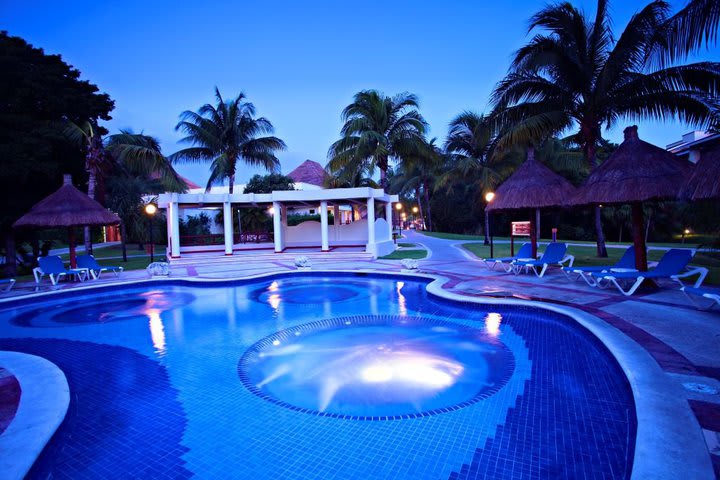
(685, 342)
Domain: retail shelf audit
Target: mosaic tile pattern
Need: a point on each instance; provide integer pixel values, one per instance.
(500, 360)
(566, 411)
(124, 420)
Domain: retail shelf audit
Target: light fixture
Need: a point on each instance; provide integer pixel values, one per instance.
(271, 210)
(415, 209)
(489, 196)
(398, 206)
(150, 209)
(687, 231)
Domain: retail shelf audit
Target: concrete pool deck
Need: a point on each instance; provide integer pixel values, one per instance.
(682, 340)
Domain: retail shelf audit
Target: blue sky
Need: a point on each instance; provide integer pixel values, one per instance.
(299, 62)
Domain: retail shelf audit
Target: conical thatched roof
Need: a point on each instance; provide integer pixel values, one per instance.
(704, 181)
(637, 171)
(533, 185)
(67, 207)
(309, 172)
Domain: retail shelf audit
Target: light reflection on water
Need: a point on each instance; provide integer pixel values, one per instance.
(383, 369)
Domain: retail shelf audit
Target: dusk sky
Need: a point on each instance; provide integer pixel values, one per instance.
(299, 62)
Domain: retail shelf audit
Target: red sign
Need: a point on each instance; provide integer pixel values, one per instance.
(521, 229)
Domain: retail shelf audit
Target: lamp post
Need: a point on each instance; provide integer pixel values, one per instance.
(685, 232)
(398, 208)
(489, 196)
(150, 210)
(415, 211)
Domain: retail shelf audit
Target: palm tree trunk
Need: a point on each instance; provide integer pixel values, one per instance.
(231, 180)
(419, 201)
(592, 160)
(92, 182)
(620, 234)
(426, 193)
(123, 237)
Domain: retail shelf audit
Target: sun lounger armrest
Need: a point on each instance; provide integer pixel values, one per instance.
(568, 258)
(701, 272)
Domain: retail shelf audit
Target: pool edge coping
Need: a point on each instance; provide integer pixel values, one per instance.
(44, 401)
(669, 441)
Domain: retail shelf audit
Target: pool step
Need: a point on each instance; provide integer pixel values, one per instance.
(264, 257)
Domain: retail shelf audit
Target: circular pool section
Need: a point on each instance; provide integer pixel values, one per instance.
(377, 367)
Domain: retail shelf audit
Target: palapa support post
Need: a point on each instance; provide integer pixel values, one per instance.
(639, 237)
(71, 242)
(533, 238)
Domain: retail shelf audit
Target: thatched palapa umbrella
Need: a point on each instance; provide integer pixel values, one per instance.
(68, 207)
(532, 186)
(704, 181)
(636, 172)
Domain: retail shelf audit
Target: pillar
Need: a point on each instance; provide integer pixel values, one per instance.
(228, 227)
(277, 226)
(388, 218)
(324, 246)
(371, 221)
(174, 229)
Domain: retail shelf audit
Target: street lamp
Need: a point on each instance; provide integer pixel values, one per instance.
(151, 210)
(398, 207)
(489, 197)
(685, 232)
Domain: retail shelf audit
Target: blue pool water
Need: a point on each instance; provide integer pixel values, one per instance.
(319, 376)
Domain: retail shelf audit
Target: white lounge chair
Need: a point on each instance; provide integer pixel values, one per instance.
(694, 292)
(95, 269)
(53, 267)
(8, 282)
(525, 251)
(627, 261)
(555, 254)
(672, 266)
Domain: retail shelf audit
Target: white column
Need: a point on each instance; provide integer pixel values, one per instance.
(371, 222)
(277, 226)
(324, 226)
(228, 227)
(388, 218)
(174, 229)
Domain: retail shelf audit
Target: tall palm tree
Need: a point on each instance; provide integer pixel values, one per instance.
(225, 134)
(472, 157)
(89, 137)
(377, 129)
(416, 174)
(575, 74)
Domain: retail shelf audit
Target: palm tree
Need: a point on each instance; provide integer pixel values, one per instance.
(225, 134)
(576, 74)
(377, 129)
(88, 135)
(472, 157)
(141, 155)
(416, 174)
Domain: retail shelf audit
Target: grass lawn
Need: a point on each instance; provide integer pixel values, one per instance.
(586, 256)
(402, 254)
(690, 241)
(407, 245)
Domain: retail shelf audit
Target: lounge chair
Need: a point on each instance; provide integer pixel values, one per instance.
(95, 269)
(693, 292)
(53, 267)
(555, 254)
(524, 252)
(626, 261)
(673, 266)
(8, 282)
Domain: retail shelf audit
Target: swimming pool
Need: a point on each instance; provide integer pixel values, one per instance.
(323, 376)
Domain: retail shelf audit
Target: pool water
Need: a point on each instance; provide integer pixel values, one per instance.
(319, 376)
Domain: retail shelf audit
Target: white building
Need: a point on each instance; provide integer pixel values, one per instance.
(373, 233)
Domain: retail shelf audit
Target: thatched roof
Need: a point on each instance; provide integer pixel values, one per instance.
(637, 171)
(309, 172)
(533, 185)
(704, 181)
(67, 207)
